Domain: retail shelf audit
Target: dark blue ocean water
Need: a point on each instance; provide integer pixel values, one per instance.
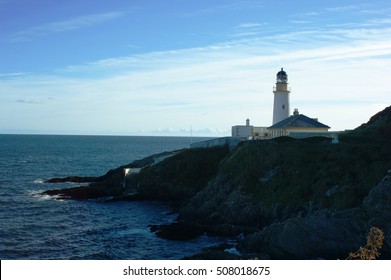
(33, 226)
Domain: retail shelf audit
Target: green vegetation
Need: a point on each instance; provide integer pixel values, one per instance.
(282, 172)
(377, 128)
(179, 177)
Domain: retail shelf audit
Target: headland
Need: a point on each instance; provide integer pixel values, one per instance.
(282, 198)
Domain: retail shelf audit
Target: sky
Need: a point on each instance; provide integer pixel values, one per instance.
(181, 68)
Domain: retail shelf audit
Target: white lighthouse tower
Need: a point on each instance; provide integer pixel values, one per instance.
(281, 97)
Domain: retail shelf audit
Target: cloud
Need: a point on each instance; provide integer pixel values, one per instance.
(234, 6)
(307, 14)
(343, 8)
(62, 26)
(299, 21)
(380, 21)
(383, 11)
(15, 74)
(248, 29)
(29, 101)
(362, 9)
(249, 25)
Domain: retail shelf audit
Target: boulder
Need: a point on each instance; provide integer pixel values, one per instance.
(322, 234)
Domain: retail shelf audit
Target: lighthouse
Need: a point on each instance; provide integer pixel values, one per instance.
(281, 97)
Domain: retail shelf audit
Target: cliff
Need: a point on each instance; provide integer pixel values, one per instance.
(286, 198)
(302, 199)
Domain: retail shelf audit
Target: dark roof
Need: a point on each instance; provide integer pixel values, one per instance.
(298, 121)
(281, 72)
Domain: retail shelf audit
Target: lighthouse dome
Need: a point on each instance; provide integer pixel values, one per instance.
(282, 77)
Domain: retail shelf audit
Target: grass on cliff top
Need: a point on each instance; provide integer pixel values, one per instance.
(182, 175)
(287, 171)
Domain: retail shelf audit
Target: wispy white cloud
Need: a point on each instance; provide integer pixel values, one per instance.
(29, 101)
(299, 21)
(62, 26)
(248, 29)
(379, 11)
(380, 21)
(343, 8)
(249, 25)
(14, 74)
(304, 18)
(363, 10)
(311, 14)
(306, 14)
(233, 6)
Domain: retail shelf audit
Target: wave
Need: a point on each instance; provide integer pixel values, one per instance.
(39, 181)
(39, 195)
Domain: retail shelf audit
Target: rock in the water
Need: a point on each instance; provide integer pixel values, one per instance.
(85, 192)
(74, 179)
(177, 231)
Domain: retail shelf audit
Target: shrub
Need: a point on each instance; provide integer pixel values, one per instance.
(370, 251)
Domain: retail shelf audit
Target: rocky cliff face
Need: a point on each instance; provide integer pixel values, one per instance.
(378, 209)
(227, 210)
(322, 234)
(327, 234)
(291, 233)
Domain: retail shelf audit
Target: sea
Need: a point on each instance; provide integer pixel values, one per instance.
(34, 226)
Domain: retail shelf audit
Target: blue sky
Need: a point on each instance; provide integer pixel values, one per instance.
(164, 67)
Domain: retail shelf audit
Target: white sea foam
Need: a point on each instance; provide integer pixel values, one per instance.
(39, 181)
(38, 195)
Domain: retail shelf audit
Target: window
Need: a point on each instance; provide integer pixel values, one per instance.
(283, 107)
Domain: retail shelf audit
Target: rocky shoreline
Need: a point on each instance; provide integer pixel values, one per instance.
(317, 201)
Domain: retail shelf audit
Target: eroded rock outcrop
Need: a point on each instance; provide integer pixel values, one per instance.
(226, 210)
(322, 234)
(378, 208)
(325, 233)
(109, 185)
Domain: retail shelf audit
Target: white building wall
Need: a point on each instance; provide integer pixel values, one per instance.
(278, 132)
(299, 133)
(243, 131)
(281, 106)
(260, 132)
